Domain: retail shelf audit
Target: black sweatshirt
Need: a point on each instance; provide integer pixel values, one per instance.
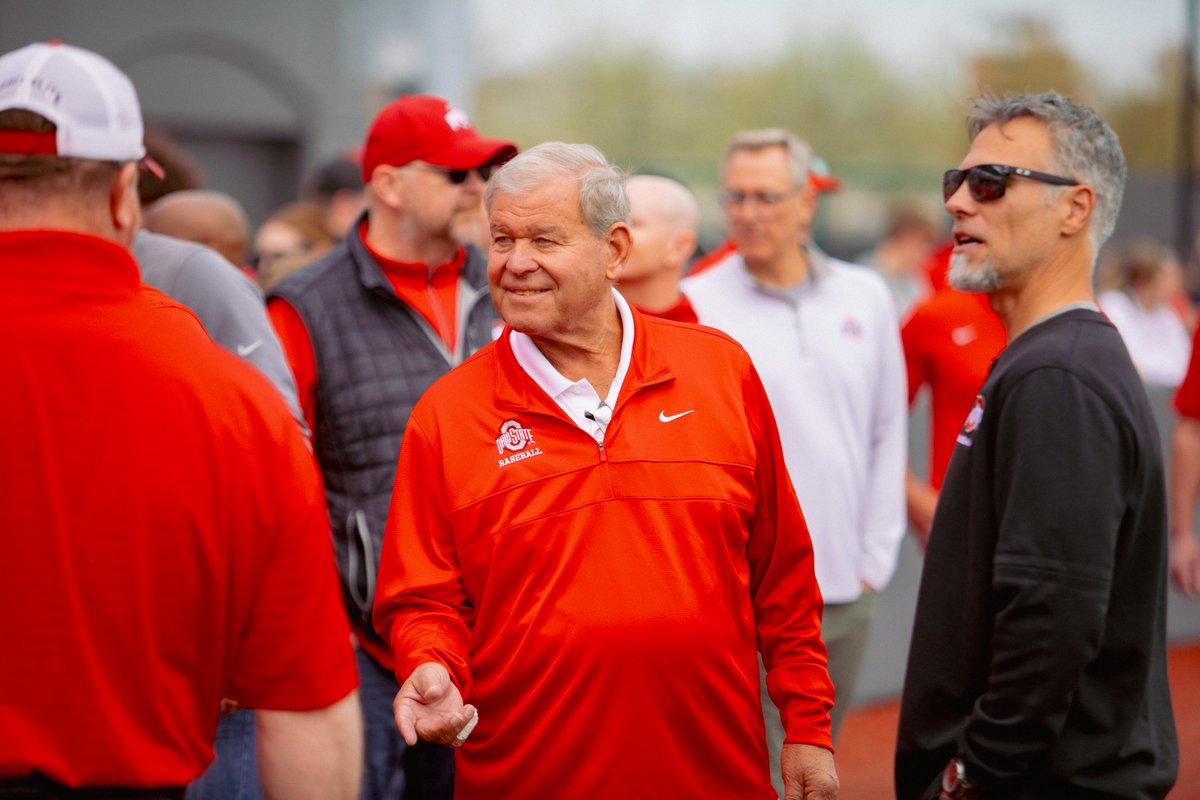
(1039, 647)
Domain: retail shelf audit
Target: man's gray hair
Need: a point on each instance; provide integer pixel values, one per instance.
(799, 154)
(602, 197)
(1085, 148)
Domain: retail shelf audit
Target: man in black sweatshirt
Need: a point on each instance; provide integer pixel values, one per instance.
(1038, 660)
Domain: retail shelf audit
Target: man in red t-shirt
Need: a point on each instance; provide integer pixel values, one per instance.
(164, 542)
(950, 340)
(367, 328)
(665, 224)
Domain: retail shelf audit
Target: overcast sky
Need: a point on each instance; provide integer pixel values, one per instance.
(1118, 39)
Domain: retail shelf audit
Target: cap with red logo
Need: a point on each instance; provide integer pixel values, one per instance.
(92, 103)
(429, 129)
(820, 177)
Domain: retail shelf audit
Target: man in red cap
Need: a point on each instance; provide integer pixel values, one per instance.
(367, 328)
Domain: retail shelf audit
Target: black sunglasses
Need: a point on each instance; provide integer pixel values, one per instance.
(457, 176)
(988, 181)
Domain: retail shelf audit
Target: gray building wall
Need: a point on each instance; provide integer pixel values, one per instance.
(262, 91)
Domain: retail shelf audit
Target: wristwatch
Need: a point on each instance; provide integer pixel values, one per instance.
(955, 785)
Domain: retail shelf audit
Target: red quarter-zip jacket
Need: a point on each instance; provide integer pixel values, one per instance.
(601, 604)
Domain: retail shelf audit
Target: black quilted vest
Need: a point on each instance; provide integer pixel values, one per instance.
(375, 356)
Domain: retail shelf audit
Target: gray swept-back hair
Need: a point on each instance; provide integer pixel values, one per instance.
(799, 154)
(1085, 148)
(602, 197)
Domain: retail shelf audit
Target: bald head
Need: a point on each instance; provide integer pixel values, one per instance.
(665, 223)
(210, 218)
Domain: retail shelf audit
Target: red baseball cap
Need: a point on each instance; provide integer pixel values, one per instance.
(429, 129)
(820, 177)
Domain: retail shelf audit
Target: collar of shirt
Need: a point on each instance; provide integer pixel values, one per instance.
(818, 268)
(1083, 305)
(576, 398)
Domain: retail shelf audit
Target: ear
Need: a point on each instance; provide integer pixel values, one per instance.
(1076, 204)
(680, 248)
(808, 203)
(620, 242)
(388, 184)
(125, 209)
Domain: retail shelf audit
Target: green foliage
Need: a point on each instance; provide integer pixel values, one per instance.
(871, 122)
(650, 114)
(1029, 58)
(1148, 120)
(885, 132)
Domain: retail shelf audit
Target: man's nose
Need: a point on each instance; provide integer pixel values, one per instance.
(521, 259)
(475, 181)
(958, 202)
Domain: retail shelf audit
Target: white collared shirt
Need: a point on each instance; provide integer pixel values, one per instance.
(828, 352)
(578, 398)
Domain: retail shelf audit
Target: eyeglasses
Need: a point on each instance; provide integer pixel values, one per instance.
(270, 257)
(458, 176)
(988, 182)
(735, 198)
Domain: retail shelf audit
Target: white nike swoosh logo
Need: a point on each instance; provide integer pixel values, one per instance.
(662, 415)
(963, 336)
(244, 350)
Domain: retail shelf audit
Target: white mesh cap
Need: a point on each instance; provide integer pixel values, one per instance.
(92, 102)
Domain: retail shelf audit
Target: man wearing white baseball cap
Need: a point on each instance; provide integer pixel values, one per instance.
(165, 542)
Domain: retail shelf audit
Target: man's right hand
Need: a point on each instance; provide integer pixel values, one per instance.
(808, 773)
(429, 706)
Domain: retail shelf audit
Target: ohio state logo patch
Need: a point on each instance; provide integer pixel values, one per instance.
(518, 440)
(457, 119)
(972, 423)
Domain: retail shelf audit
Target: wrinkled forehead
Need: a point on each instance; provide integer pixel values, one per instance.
(543, 206)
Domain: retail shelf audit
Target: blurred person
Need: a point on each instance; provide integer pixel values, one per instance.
(226, 302)
(213, 219)
(592, 528)
(231, 310)
(824, 336)
(158, 502)
(901, 254)
(1038, 659)
(288, 239)
(665, 226)
(367, 328)
(180, 170)
(1149, 278)
(1185, 479)
(950, 340)
(336, 189)
(820, 179)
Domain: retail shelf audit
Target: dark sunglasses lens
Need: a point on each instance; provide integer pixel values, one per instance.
(951, 180)
(986, 185)
(458, 176)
